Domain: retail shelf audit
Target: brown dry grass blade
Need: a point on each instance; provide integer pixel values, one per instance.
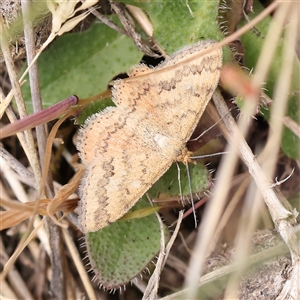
(21, 212)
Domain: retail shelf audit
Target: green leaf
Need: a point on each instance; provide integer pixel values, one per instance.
(180, 30)
(83, 64)
(119, 252)
(179, 23)
(168, 184)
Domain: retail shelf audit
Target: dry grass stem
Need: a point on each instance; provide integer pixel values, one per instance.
(29, 146)
(281, 212)
(152, 287)
(23, 174)
(79, 264)
(36, 97)
(292, 125)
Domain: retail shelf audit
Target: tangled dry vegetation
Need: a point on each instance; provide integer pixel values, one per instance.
(246, 245)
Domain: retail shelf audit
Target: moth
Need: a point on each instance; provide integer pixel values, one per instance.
(127, 148)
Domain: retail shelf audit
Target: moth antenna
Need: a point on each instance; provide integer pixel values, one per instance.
(191, 192)
(179, 183)
(209, 128)
(209, 155)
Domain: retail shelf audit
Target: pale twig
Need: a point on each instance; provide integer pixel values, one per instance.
(210, 220)
(151, 290)
(269, 47)
(279, 209)
(292, 125)
(128, 24)
(6, 292)
(231, 206)
(25, 176)
(107, 22)
(14, 183)
(281, 91)
(287, 121)
(291, 289)
(152, 287)
(15, 279)
(5, 101)
(248, 221)
(42, 234)
(21, 246)
(78, 263)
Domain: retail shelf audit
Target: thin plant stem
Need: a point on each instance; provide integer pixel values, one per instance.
(31, 150)
(34, 77)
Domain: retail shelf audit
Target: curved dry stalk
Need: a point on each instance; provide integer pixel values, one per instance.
(21, 246)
